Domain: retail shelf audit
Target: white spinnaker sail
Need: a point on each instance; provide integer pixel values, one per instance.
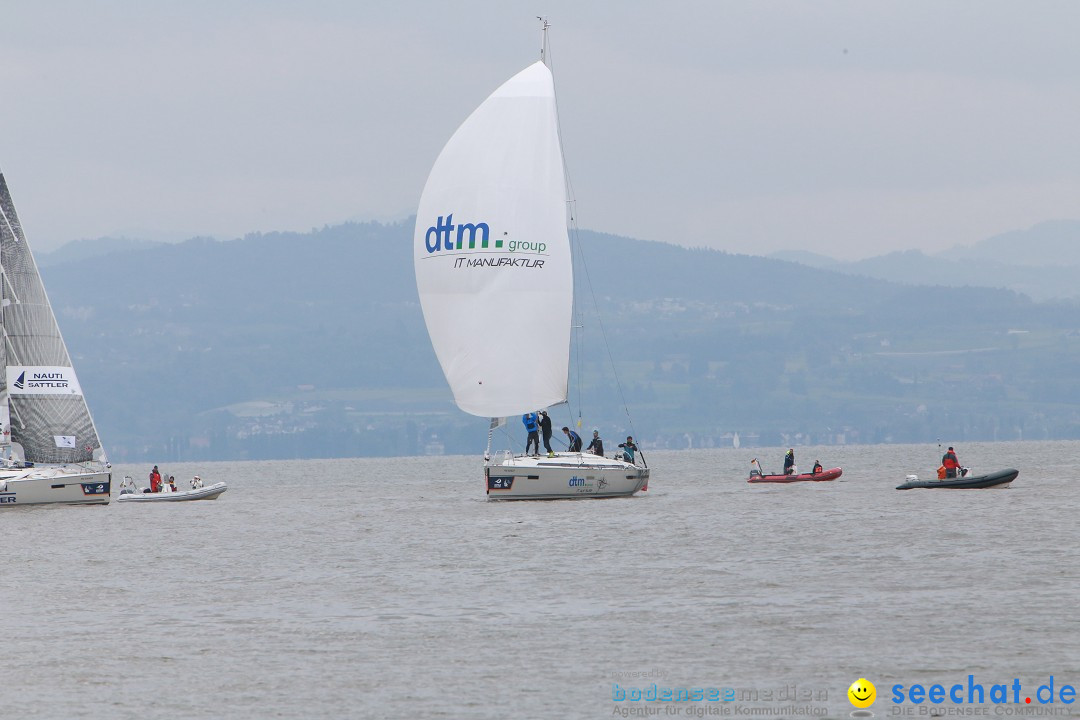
(492, 256)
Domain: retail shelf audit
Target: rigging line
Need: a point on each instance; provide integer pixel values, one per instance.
(8, 223)
(507, 435)
(571, 211)
(571, 205)
(603, 332)
(571, 198)
(579, 351)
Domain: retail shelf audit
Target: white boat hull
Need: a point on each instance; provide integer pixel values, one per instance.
(564, 476)
(39, 486)
(210, 492)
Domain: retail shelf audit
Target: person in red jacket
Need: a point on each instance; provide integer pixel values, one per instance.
(155, 480)
(950, 463)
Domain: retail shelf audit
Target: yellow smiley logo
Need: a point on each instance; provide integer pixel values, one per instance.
(862, 693)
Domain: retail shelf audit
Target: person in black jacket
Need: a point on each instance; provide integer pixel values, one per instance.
(789, 462)
(545, 432)
(596, 447)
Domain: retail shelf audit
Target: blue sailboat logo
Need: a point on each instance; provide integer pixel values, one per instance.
(20, 382)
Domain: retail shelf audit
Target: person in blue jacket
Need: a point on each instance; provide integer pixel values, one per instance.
(574, 438)
(533, 440)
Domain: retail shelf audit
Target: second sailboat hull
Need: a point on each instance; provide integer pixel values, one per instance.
(40, 486)
(564, 476)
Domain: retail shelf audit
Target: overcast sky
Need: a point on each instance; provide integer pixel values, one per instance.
(847, 128)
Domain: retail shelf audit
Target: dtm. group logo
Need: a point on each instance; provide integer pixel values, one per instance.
(445, 235)
(442, 235)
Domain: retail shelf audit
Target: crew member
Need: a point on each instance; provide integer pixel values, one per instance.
(817, 467)
(533, 440)
(789, 461)
(574, 438)
(155, 480)
(545, 431)
(596, 447)
(629, 448)
(950, 463)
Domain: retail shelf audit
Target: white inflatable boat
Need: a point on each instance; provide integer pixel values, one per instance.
(129, 492)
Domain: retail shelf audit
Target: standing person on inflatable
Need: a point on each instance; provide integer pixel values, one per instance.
(950, 463)
(789, 462)
(155, 480)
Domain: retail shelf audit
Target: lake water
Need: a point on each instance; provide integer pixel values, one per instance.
(390, 588)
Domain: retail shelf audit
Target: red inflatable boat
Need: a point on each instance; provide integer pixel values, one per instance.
(803, 477)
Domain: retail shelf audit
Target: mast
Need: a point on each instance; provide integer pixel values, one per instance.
(5, 404)
(544, 25)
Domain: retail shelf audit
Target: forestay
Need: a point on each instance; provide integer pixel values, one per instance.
(492, 256)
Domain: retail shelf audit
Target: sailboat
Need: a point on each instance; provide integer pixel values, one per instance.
(50, 451)
(495, 278)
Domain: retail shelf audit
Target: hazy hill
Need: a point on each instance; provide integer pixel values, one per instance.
(306, 345)
(1042, 262)
(78, 250)
(805, 257)
(1047, 244)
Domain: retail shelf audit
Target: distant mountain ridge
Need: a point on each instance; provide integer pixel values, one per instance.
(1054, 242)
(313, 345)
(78, 250)
(1042, 262)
